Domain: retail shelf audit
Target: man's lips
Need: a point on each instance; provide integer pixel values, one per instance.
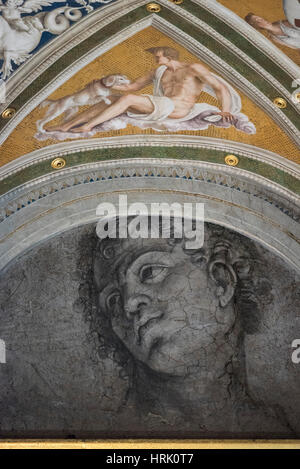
(143, 328)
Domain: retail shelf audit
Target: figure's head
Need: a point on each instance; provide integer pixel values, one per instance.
(174, 308)
(14, 3)
(113, 81)
(257, 22)
(163, 55)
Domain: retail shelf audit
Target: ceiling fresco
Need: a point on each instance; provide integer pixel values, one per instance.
(252, 76)
(29, 25)
(130, 58)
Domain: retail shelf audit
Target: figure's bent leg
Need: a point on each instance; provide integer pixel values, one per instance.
(84, 116)
(137, 103)
(71, 112)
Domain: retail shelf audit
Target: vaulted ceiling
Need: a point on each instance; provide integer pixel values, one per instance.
(55, 49)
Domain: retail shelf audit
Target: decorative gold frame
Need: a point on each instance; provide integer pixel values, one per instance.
(149, 444)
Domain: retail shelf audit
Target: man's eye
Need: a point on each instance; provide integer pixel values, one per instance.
(155, 273)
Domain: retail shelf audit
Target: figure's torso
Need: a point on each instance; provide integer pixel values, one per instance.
(182, 86)
(11, 14)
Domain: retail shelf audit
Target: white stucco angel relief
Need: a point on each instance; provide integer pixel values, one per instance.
(13, 9)
(21, 32)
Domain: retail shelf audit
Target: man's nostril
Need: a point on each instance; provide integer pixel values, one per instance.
(138, 309)
(134, 307)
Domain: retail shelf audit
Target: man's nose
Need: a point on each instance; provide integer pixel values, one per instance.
(135, 304)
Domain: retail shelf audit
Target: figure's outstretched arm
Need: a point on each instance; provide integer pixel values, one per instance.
(221, 91)
(138, 84)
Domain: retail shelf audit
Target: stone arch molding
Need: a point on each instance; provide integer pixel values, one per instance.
(233, 198)
(41, 61)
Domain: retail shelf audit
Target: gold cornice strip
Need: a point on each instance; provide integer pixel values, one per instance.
(150, 444)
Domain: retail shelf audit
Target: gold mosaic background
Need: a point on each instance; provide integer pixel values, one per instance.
(131, 59)
(271, 10)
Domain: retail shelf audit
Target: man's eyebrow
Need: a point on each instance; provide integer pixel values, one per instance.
(127, 261)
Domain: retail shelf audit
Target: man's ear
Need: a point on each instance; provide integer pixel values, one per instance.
(225, 278)
(109, 81)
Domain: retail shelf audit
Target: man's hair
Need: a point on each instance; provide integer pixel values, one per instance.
(167, 51)
(250, 20)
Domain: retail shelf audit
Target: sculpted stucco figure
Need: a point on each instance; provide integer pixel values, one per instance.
(20, 35)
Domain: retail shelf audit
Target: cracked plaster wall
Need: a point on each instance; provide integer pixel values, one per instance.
(68, 374)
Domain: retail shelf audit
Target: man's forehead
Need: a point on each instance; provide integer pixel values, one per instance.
(137, 248)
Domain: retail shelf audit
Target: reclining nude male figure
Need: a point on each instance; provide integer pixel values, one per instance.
(181, 84)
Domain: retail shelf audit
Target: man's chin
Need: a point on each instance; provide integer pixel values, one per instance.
(168, 366)
(165, 357)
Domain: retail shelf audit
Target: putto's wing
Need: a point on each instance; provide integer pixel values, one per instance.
(36, 5)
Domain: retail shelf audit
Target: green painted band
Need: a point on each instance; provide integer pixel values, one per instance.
(179, 153)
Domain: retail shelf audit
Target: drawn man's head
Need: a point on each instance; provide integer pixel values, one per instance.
(163, 54)
(257, 22)
(171, 307)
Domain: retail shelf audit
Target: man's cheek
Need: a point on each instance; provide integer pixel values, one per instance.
(172, 285)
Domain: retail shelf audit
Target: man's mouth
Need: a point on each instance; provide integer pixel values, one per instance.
(297, 23)
(144, 328)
